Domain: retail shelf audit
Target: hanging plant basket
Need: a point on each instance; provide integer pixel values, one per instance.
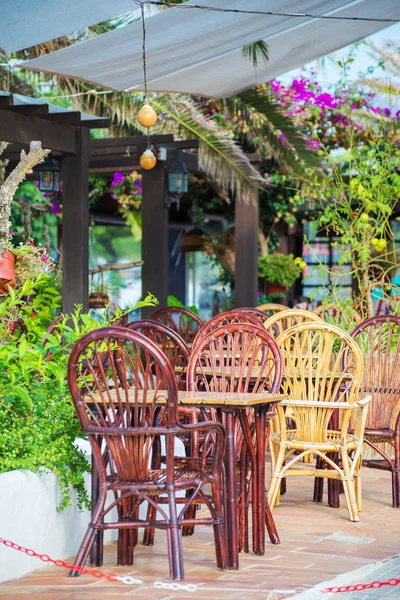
(7, 272)
(227, 260)
(98, 300)
(275, 288)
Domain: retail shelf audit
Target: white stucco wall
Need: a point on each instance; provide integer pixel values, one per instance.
(29, 517)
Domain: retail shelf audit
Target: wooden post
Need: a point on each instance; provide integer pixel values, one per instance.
(154, 236)
(75, 224)
(246, 253)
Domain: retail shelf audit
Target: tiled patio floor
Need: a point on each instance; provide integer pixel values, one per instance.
(317, 544)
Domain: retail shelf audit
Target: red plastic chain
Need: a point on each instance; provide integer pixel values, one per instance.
(59, 563)
(359, 587)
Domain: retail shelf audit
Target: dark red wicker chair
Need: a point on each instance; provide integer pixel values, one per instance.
(117, 403)
(178, 354)
(231, 316)
(241, 347)
(262, 316)
(182, 320)
(379, 339)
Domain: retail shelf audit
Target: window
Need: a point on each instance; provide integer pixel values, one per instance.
(322, 253)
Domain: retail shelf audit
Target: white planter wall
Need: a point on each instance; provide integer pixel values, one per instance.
(29, 517)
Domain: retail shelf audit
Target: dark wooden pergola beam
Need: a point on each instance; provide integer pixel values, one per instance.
(22, 130)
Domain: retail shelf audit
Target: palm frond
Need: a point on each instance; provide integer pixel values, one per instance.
(382, 86)
(220, 157)
(257, 50)
(269, 130)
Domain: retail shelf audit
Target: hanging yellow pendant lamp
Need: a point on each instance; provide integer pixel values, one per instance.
(147, 116)
(148, 160)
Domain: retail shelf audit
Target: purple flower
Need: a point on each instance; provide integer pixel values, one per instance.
(259, 294)
(282, 138)
(113, 196)
(313, 144)
(386, 111)
(25, 200)
(46, 195)
(118, 177)
(37, 184)
(54, 207)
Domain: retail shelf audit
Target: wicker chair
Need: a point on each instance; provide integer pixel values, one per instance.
(236, 315)
(223, 361)
(262, 316)
(322, 372)
(182, 320)
(379, 340)
(271, 309)
(285, 319)
(178, 354)
(118, 404)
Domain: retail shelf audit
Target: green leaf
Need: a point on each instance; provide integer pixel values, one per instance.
(255, 51)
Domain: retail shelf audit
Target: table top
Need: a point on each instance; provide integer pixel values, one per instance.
(217, 399)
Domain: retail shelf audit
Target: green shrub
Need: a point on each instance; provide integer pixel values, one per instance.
(278, 268)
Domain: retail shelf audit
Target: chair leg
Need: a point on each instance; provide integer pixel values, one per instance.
(243, 503)
(357, 484)
(188, 530)
(219, 528)
(175, 554)
(270, 524)
(174, 535)
(149, 532)
(349, 488)
(276, 481)
(318, 483)
(395, 489)
(89, 536)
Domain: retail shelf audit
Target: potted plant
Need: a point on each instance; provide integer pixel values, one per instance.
(279, 271)
(7, 272)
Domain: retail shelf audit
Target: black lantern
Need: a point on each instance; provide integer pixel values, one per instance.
(178, 178)
(49, 175)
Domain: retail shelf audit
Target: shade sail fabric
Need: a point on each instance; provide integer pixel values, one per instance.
(25, 23)
(200, 52)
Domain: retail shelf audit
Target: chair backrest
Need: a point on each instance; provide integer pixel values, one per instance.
(285, 319)
(116, 399)
(271, 309)
(379, 340)
(236, 357)
(262, 316)
(231, 316)
(182, 320)
(321, 364)
(170, 342)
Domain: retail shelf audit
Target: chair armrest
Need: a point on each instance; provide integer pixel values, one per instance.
(364, 401)
(210, 427)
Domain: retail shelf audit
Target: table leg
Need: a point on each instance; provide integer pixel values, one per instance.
(259, 526)
(231, 501)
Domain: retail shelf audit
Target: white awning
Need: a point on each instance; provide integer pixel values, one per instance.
(25, 23)
(200, 52)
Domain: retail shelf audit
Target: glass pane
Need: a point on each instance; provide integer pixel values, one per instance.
(115, 244)
(205, 290)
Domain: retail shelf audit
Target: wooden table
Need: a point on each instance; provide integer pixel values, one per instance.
(234, 406)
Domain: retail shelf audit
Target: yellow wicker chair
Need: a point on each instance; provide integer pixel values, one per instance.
(285, 319)
(271, 308)
(277, 324)
(322, 371)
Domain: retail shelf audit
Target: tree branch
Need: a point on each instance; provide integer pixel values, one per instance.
(115, 267)
(35, 156)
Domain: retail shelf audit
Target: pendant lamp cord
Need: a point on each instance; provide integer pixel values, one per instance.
(144, 51)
